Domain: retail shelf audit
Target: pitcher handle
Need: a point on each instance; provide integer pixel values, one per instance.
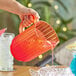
(22, 25)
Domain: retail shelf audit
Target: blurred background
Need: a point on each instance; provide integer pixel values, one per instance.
(60, 14)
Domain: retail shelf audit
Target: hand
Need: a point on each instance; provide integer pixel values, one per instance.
(29, 16)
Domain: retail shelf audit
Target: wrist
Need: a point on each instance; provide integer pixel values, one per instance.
(20, 9)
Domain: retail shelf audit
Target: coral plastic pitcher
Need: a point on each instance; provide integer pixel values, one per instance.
(35, 40)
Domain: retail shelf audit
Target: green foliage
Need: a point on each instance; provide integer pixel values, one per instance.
(62, 4)
(1, 11)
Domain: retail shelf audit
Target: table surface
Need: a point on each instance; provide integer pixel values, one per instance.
(19, 71)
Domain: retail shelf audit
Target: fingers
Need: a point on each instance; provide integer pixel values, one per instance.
(31, 16)
(34, 13)
(27, 21)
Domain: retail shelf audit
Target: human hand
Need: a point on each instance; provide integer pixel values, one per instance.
(29, 16)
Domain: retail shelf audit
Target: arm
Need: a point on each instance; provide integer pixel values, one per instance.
(15, 7)
(11, 6)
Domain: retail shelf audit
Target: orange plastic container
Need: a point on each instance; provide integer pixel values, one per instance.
(34, 41)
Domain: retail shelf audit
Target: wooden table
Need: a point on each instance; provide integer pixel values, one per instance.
(19, 71)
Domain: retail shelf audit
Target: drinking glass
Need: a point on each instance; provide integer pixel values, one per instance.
(6, 58)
